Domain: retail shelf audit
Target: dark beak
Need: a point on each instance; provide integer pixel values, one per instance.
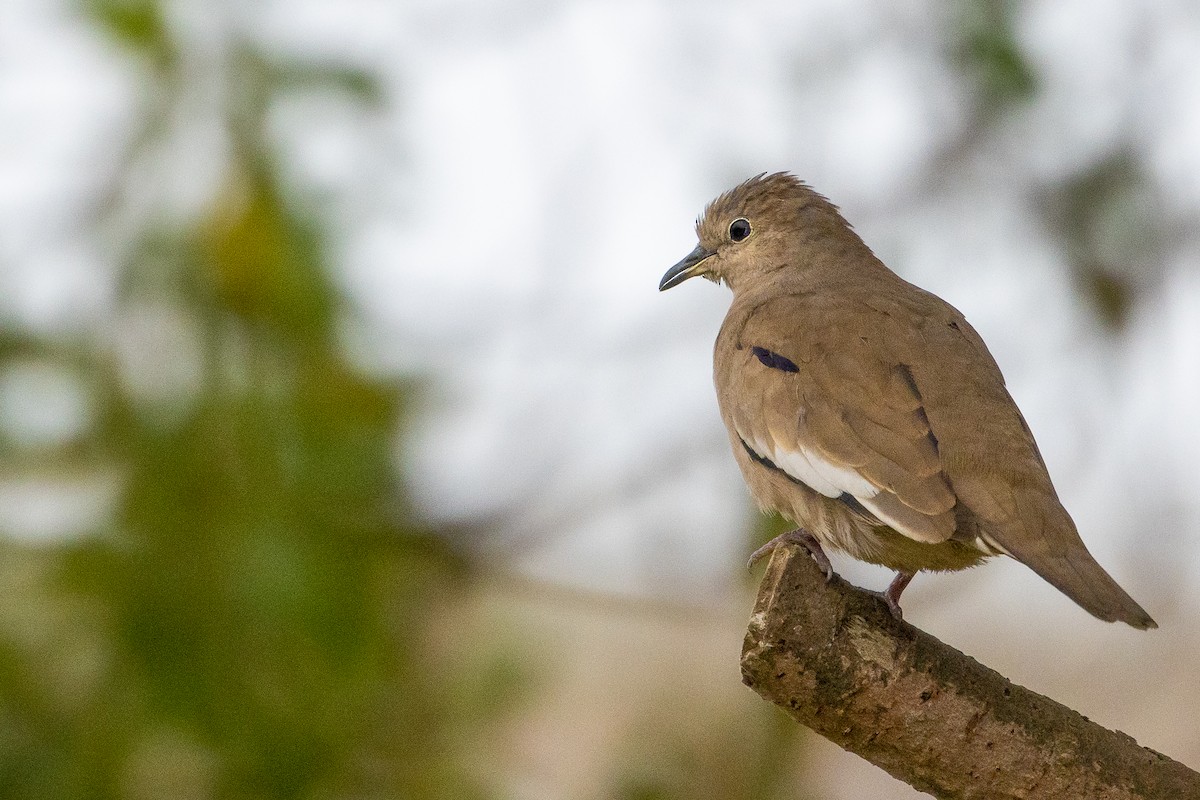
(691, 266)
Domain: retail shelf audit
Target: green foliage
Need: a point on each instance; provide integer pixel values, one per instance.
(988, 52)
(1111, 231)
(253, 616)
(137, 24)
(264, 266)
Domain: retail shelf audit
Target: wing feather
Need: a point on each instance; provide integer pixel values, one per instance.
(847, 421)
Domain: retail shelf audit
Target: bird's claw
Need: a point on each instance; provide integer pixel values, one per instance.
(891, 595)
(892, 605)
(804, 539)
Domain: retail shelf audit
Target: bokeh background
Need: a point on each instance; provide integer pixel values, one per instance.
(348, 449)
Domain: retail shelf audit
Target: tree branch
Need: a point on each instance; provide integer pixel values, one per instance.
(837, 661)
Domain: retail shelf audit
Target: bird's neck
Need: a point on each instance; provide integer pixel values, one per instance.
(837, 266)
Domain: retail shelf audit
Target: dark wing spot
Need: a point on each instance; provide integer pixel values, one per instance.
(906, 373)
(912, 384)
(773, 360)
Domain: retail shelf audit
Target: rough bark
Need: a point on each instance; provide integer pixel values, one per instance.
(837, 661)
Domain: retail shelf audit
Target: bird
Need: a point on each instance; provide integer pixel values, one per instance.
(868, 412)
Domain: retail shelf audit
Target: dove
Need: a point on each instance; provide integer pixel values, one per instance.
(868, 411)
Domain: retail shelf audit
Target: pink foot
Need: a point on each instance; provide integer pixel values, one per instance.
(808, 542)
(891, 595)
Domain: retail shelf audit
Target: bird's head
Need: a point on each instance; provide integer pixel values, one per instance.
(763, 225)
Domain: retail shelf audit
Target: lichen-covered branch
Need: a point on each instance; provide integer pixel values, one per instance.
(837, 661)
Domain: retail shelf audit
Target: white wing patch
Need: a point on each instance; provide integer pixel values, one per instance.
(989, 545)
(816, 472)
(819, 474)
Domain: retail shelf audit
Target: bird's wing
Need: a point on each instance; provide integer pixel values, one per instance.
(993, 463)
(818, 393)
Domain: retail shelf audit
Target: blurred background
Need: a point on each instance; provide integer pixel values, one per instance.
(348, 449)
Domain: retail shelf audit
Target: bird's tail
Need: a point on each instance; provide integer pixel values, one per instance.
(1082, 579)
(1042, 536)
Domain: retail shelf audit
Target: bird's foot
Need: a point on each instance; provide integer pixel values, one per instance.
(891, 595)
(805, 540)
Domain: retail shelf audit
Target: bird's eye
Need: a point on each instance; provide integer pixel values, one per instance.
(739, 229)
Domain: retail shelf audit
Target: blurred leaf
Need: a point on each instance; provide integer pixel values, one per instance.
(356, 83)
(1112, 234)
(138, 24)
(988, 51)
(1111, 294)
(264, 263)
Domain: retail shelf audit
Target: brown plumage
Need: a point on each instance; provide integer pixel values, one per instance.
(868, 411)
